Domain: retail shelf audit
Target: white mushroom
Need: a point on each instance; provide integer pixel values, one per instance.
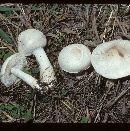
(30, 42)
(12, 70)
(112, 59)
(74, 58)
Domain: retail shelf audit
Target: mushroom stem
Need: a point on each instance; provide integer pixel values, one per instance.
(46, 70)
(26, 78)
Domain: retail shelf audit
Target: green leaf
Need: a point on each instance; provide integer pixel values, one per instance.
(0, 120)
(2, 106)
(7, 55)
(2, 53)
(84, 120)
(17, 111)
(6, 107)
(28, 115)
(30, 95)
(64, 92)
(5, 36)
(5, 9)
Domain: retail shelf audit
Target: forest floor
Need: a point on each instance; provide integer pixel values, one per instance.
(86, 97)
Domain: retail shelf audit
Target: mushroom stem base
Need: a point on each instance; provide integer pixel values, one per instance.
(26, 78)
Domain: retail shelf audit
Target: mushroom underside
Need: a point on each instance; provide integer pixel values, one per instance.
(18, 61)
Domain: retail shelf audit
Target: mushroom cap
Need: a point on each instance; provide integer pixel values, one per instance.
(16, 60)
(112, 59)
(74, 58)
(29, 40)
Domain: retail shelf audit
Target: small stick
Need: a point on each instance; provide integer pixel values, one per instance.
(7, 4)
(66, 105)
(8, 116)
(34, 107)
(3, 47)
(111, 102)
(117, 20)
(102, 101)
(105, 30)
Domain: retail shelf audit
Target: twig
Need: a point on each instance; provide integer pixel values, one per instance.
(105, 30)
(88, 115)
(98, 113)
(101, 105)
(34, 107)
(117, 20)
(66, 105)
(100, 11)
(3, 47)
(113, 27)
(11, 119)
(112, 102)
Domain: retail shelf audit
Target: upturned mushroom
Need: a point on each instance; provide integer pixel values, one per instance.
(74, 58)
(32, 41)
(11, 71)
(112, 59)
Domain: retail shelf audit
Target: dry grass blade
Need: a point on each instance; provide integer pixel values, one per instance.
(7, 4)
(106, 25)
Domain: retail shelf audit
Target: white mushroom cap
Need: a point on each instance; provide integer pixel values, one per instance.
(112, 59)
(12, 70)
(74, 58)
(29, 40)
